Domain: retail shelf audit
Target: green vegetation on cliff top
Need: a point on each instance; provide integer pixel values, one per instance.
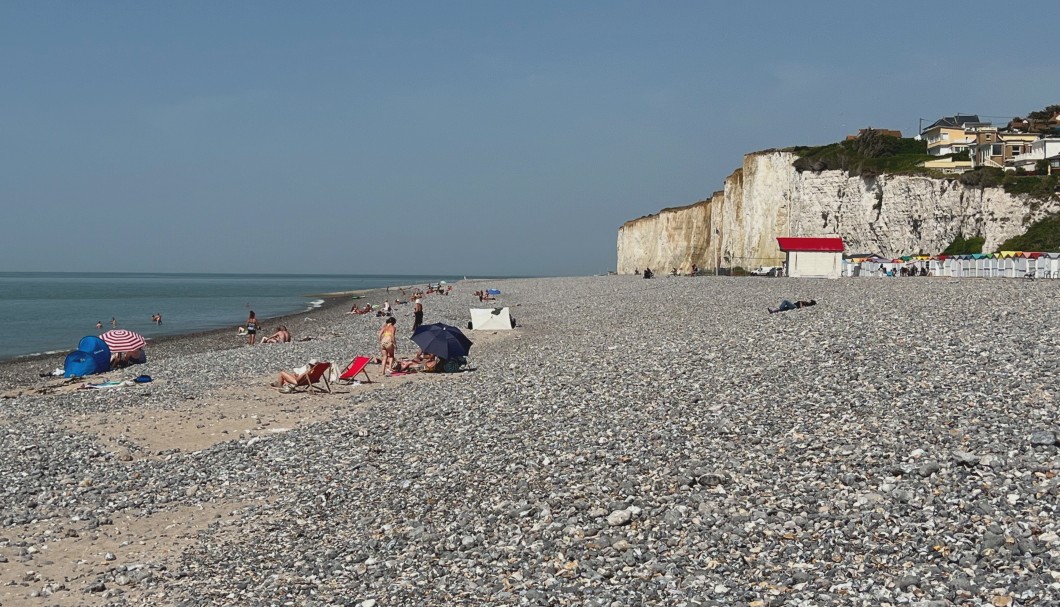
(872, 153)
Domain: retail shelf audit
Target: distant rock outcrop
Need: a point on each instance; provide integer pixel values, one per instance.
(891, 215)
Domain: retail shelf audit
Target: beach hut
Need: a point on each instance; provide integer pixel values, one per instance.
(1050, 262)
(812, 257)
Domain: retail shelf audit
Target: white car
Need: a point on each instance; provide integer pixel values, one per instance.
(766, 271)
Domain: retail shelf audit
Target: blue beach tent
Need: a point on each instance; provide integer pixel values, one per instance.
(99, 350)
(79, 364)
(92, 356)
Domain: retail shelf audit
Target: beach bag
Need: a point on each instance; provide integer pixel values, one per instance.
(454, 364)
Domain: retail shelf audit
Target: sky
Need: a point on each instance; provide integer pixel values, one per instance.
(460, 138)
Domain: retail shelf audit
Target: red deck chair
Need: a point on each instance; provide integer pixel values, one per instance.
(314, 377)
(356, 367)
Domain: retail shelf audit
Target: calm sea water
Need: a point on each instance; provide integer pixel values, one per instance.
(48, 312)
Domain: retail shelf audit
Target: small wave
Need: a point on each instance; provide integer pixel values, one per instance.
(316, 303)
(35, 355)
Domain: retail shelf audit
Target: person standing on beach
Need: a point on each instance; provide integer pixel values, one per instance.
(417, 314)
(252, 328)
(387, 343)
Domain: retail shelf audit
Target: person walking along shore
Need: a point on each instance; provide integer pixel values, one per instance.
(252, 328)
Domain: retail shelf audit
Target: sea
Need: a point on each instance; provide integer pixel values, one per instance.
(49, 312)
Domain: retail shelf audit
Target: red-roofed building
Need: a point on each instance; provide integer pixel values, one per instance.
(812, 257)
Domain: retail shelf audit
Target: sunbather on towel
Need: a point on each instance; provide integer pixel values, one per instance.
(355, 310)
(429, 363)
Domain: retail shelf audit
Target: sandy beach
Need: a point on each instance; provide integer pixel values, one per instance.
(632, 442)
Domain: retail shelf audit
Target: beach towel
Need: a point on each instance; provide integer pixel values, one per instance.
(113, 383)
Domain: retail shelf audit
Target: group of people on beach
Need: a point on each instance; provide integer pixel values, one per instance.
(422, 362)
(250, 328)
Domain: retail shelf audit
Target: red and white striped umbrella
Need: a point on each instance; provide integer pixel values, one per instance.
(122, 340)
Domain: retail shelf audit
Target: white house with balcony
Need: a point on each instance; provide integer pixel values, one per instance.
(1041, 149)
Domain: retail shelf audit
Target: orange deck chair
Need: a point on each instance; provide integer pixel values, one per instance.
(355, 368)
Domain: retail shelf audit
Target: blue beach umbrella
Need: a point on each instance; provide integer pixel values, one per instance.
(442, 340)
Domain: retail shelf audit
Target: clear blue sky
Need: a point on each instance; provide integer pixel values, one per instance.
(450, 137)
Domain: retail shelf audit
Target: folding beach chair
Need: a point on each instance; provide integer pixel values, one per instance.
(316, 376)
(356, 367)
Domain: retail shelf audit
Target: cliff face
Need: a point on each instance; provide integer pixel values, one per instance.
(890, 215)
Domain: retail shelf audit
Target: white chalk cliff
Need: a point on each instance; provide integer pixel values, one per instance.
(892, 215)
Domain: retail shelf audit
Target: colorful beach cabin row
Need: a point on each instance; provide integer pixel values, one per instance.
(1003, 264)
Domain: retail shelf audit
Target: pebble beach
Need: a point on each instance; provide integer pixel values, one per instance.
(632, 442)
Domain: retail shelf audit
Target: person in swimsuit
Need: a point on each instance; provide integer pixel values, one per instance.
(281, 336)
(252, 328)
(422, 363)
(387, 343)
(418, 315)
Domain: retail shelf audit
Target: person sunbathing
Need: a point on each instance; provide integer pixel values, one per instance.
(120, 360)
(787, 305)
(421, 363)
(282, 335)
(288, 378)
(355, 310)
(297, 377)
